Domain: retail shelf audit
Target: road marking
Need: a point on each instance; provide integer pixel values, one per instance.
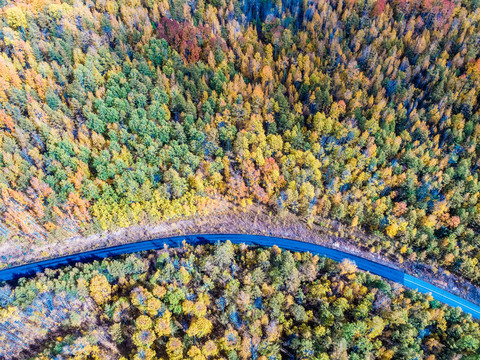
(446, 297)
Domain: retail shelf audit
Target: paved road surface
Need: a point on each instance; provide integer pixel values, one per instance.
(375, 268)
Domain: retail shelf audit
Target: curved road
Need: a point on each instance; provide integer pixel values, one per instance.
(395, 275)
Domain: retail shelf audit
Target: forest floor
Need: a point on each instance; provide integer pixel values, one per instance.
(254, 221)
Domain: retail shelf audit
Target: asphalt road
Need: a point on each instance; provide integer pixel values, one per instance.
(373, 267)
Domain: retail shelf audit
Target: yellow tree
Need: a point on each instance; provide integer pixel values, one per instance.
(174, 349)
(230, 340)
(100, 289)
(194, 353)
(392, 229)
(162, 325)
(153, 304)
(144, 338)
(267, 78)
(209, 349)
(200, 327)
(16, 17)
(348, 269)
(143, 322)
(199, 309)
(144, 353)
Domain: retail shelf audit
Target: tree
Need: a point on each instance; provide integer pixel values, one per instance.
(209, 349)
(143, 338)
(162, 325)
(143, 322)
(100, 289)
(16, 17)
(174, 349)
(199, 327)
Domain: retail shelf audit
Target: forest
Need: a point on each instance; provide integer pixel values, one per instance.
(226, 301)
(119, 112)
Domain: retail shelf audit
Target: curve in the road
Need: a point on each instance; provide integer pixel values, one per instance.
(373, 267)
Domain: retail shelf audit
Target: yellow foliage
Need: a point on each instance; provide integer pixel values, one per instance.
(162, 326)
(392, 229)
(100, 289)
(143, 322)
(209, 349)
(159, 291)
(185, 275)
(386, 354)
(348, 268)
(449, 259)
(429, 221)
(199, 309)
(195, 353)
(376, 327)
(153, 304)
(146, 354)
(174, 349)
(16, 17)
(200, 327)
(354, 222)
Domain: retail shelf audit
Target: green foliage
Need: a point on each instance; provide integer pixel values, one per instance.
(362, 111)
(226, 310)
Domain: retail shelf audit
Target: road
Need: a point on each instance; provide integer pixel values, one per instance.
(373, 267)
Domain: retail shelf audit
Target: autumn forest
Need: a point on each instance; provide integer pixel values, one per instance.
(362, 113)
